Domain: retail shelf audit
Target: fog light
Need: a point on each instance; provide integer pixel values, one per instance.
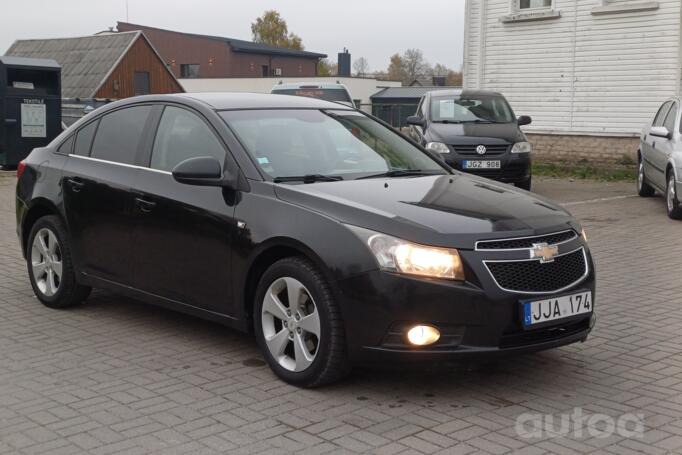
(423, 335)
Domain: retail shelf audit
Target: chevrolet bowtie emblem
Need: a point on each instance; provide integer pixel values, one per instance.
(544, 252)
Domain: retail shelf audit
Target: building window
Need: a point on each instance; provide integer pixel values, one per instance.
(189, 70)
(533, 4)
(141, 83)
(624, 6)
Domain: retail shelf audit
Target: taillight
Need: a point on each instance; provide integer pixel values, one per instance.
(20, 169)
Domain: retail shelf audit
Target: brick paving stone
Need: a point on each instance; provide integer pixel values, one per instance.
(117, 376)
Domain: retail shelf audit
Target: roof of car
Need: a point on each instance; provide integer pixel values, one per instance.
(466, 92)
(295, 85)
(222, 101)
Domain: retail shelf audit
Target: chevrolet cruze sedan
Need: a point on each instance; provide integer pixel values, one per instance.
(660, 157)
(475, 131)
(332, 237)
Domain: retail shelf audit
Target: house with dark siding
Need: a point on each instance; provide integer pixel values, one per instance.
(190, 55)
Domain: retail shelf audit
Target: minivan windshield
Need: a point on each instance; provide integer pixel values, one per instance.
(471, 109)
(308, 142)
(327, 94)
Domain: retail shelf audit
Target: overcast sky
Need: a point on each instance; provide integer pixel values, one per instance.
(375, 29)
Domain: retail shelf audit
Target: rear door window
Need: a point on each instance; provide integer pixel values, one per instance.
(120, 134)
(66, 147)
(84, 139)
(182, 135)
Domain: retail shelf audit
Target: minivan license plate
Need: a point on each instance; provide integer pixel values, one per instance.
(540, 311)
(481, 164)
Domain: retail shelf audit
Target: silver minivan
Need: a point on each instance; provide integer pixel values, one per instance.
(660, 157)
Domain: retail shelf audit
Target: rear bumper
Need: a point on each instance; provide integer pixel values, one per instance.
(515, 168)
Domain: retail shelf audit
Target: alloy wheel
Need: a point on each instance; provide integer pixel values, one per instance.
(46, 262)
(291, 324)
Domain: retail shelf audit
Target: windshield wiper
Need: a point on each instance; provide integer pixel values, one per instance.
(309, 178)
(401, 173)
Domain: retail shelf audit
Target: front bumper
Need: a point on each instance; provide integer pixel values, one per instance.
(476, 319)
(515, 167)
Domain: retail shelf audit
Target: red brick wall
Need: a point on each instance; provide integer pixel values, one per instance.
(215, 57)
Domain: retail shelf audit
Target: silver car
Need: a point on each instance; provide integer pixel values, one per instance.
(660, 157)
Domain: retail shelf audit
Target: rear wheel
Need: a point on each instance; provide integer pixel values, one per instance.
(671, 199)
(50, 268)
(298, 324)
(643, 188)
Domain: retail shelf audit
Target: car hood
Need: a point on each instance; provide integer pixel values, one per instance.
(486, 134)
(449, 210)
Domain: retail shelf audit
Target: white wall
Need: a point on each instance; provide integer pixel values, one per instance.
(581, 73)
(359, 88)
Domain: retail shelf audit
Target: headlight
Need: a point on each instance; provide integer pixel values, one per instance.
(396, 255)
(522, 147)
(437, 147)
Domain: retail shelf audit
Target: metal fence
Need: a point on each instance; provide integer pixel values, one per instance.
(394, 113)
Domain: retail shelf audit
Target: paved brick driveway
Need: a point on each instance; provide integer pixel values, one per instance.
(116, 376)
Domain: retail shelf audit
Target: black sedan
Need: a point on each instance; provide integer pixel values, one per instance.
(333, 238)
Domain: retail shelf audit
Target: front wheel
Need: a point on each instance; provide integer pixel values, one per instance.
(50, 267)
(299, 326)
(525, 184)
(672, 201)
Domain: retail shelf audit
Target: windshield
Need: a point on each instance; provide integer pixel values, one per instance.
(471, 109)
(341, 143)
(327, 94)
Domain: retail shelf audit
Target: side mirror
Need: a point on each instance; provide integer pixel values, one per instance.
(524, 120)
(416, 121)
(200, 171)
(661, 131)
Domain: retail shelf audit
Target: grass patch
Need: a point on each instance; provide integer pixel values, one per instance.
(583, 171)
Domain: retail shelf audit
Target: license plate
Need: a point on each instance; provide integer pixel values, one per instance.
(538, 312)
(481, 164)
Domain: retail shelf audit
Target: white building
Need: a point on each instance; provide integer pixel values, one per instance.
(585, 70)
(361, 89)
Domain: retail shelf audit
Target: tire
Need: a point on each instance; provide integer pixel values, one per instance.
(643, 188)
(672, 201)
(50, 266)
(525, 184)
(283, 337)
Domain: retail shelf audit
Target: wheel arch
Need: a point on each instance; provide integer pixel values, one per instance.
(39, 208)
(267, 254)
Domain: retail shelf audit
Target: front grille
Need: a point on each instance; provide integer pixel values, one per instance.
(534, 277)
(470, 149)
(527, 242)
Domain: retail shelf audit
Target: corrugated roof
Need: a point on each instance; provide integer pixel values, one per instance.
(240, 45)
(407, 92)
(86, 61)
(23, 61)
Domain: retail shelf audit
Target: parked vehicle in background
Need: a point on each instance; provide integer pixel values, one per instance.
(660, 157)
(329, 235)
(337, 93)
(475, 131)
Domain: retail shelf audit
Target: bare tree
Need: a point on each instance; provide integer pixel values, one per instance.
(361, 67)
(414, 64)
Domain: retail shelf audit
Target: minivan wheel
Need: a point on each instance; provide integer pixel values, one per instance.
(525, 184)
(50, 268)
(671, 199)
(298, 324)
(643, 188)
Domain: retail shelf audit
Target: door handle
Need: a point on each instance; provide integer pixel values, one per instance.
(144, 205)
(76, 185)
